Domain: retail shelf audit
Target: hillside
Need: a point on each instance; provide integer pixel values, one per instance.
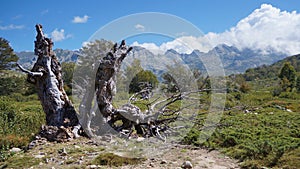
(271, 71)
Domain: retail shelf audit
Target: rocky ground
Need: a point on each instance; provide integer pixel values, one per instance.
(199, 158)
(82, 152)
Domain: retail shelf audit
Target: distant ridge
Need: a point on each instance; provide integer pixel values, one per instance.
(233, 59)
(27, 59)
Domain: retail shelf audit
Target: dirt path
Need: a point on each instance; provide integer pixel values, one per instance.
(200, 158)
(81, 152)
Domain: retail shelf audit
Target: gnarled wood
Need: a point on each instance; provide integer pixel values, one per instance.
(46, 75)
(146, 123)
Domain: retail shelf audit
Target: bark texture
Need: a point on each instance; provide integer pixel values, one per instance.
(145, 123)
(46, 75)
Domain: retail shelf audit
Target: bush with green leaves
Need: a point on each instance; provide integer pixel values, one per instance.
(19, 122)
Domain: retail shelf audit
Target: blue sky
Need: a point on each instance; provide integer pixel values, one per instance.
(71, 23)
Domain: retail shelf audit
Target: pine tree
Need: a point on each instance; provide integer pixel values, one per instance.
(7, 55)
(288, 76)
(144, 76)
(298, 83)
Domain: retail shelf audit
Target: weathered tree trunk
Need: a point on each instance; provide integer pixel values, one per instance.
(46, 74)
(106, 77)
(145, 123)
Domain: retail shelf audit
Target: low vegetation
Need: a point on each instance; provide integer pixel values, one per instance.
(258, 128)
(111, 159)
(20, 119)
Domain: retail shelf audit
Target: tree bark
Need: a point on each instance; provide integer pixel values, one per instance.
(146, 123)
(46, 75)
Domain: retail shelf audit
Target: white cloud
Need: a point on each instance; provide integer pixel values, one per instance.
(139, 27)
(44, 12)
(78, 19)
(11, 27)
(266, 28)
(184, 44)
(150, 46)
(86, 43)
(59, 35)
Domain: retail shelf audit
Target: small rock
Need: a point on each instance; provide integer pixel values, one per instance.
(187, 165)
(163, 162)
(152, 159)
(140, 139)
(63, 152)
(77, 147)
(92, 166)
(79, 162)
(31, 145)
(15, 150)
(46, 160)
(39, 156)
(151, 165)
(173, 162)
(43, 153)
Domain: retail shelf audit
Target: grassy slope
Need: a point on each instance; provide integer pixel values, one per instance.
(262, 130)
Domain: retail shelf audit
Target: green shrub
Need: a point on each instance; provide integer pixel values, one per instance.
(19, 121)
(245, 87)
(192, 137)
(111, 159)
(290, 159)
(266, 136)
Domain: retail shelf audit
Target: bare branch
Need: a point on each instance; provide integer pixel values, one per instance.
(38, 74)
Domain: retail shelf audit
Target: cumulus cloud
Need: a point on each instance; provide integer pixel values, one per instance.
(78, 19)
(139, 27)
(59, 35)
(184, 44)
(150, 46)
(11, 27)
(266, 28)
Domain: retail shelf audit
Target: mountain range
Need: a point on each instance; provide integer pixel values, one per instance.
(234, 60)
(27, 59)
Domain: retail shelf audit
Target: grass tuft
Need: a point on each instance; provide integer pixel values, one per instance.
(111, 159)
